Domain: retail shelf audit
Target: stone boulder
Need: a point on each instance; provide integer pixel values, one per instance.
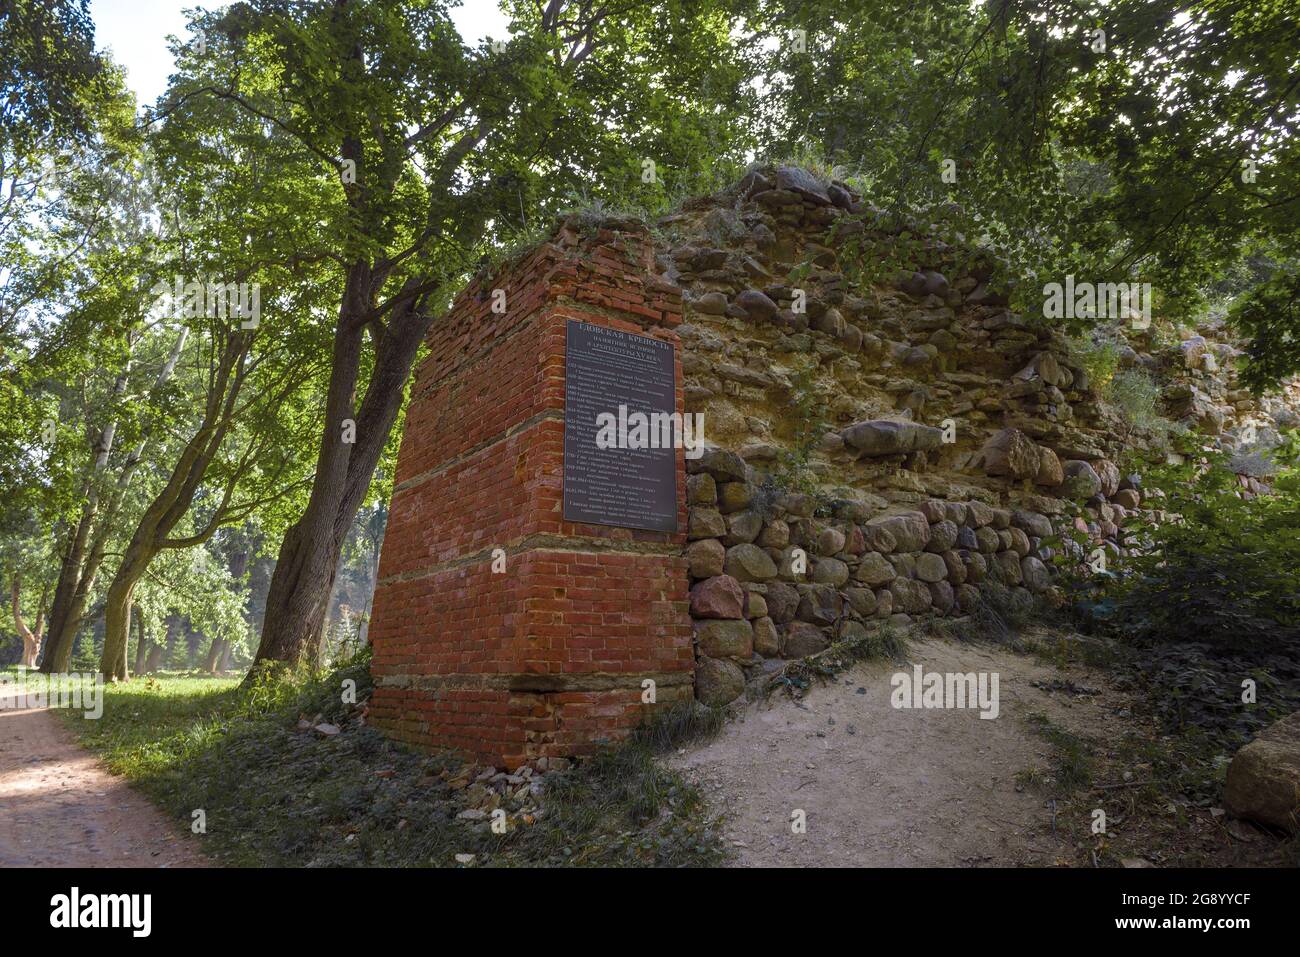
(942, 597)
(725, 639)
(749, 563)
(1044, 366)
(803, 639)
(891, 437)
(717, 682)
(909, 530)
(705, 523)
(1192, 349)
(978, 514)
(878, 539)
(1032, 523)
(705, 558)
(730, 496)
(782, 602)
(931, 567)
(1035, 574)
(1081, 479)
(943, 536)
(767, 642)
(862, 601)
(718, 597)
(874, 570)
(830, 541)
(819, 604)
(1050, 472)
(1264, 777)
(742, 527)
(910, 596)
(1010, 453)
(710, 304)
(830, 571)
(1108, 472)
(799, 180)
(758, 304)
(723, 465)
(1129, 498)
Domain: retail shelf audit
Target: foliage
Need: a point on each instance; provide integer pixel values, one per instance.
(804, 408)
(878, 641)
(1115, 141)
(1073, 764)
(1100, 360)
(1220, 568)
(1270, 315)
(1136, 395)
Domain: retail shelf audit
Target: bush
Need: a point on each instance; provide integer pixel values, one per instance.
(1137, 397)
(1222, 569)
(1099, 359)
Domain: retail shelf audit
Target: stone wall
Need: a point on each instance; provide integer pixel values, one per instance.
(889, 450)
(878, 451)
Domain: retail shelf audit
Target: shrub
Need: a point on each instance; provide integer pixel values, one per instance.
(1222, 569)
(1136, 395)
(1099, 359)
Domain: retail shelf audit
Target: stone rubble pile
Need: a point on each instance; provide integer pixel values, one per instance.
(941, 439)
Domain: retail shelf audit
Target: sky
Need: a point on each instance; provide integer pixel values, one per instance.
(136, 33)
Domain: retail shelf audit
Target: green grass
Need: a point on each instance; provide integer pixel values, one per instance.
(1073, 766)
(274, 794)
(153, 722)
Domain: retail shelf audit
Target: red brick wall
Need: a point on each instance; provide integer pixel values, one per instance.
(547, 658)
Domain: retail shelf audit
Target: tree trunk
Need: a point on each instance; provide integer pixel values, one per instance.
(171, 504)
(227, 653)
(154, 660)
(141, 656)
(214, 655)
(303, 580)
(117, 612)
(141, 643)
(31, 639)
(78, 570)
(71, 572)
(117, 626)
(298, 599)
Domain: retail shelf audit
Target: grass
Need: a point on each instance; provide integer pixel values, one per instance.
(1072, 757)
(275, 793)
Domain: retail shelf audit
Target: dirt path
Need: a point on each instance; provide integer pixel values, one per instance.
(58, 807)
(891, 787)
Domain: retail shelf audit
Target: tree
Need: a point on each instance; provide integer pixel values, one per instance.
(1128, 140)
(417, 154)
(31, 637)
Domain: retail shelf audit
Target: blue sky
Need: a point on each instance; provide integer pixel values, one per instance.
(136, 32)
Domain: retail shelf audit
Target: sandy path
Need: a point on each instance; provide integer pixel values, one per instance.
(58, 807)
(888, 787)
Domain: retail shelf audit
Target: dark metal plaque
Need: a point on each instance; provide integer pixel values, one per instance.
(606, 369)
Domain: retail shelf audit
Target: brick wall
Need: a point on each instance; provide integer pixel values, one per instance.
(548, 657)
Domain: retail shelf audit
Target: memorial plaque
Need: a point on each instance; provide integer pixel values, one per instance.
(610, 373)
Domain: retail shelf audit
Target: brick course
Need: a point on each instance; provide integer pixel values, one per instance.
(547, 658)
